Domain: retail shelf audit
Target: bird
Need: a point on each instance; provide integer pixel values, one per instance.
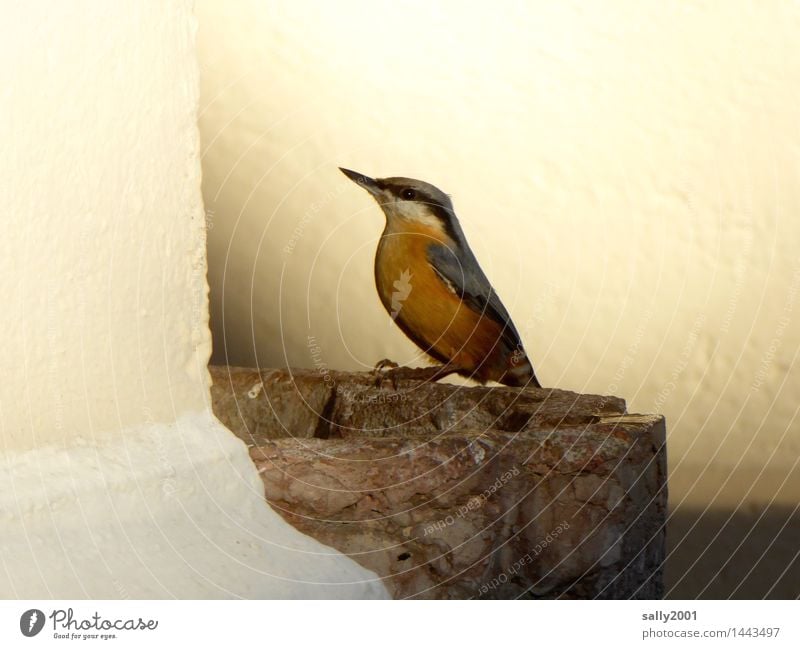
(432, 286)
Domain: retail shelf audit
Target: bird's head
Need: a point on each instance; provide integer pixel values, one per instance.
(409, 201)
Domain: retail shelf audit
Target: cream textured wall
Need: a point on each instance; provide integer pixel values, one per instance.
(117, 481)
(90, 206)
(626, 172)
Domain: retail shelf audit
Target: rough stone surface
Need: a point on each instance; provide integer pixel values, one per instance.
(454, 492)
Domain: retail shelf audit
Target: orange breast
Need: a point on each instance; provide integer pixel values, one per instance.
(428, 311)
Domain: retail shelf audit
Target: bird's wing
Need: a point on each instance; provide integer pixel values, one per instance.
(461, 272)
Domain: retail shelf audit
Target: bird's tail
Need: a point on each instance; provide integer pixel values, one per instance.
(521, 376)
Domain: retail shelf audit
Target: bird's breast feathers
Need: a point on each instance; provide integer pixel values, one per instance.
(426, 306)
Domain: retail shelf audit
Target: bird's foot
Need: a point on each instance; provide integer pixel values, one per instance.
(425, 374)
(381, 369)
(383, 364)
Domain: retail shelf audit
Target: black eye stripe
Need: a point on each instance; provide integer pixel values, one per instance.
(447, 221)
(408, 194)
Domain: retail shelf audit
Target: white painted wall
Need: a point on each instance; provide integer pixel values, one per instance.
(626, 172)
(116, 480)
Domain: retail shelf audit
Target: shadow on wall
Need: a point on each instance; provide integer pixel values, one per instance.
(723, 554)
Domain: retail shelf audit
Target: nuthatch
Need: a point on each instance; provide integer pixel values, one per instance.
(432, 286)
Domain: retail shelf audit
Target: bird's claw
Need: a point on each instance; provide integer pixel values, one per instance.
(424, 374)
(381, 369)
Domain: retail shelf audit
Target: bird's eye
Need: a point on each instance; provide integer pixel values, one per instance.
(408, 194)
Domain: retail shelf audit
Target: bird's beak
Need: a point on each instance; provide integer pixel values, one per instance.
(364, 181)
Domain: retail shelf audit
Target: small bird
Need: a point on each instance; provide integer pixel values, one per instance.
(433, 288)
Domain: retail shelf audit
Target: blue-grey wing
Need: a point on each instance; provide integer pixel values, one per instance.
(460, 270)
